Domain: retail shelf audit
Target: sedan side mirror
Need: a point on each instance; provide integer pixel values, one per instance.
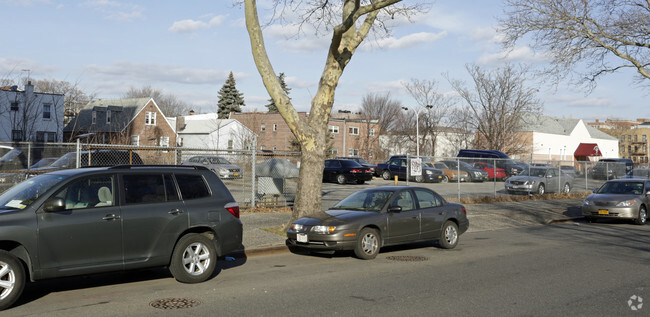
(54, 204)
(394, 209)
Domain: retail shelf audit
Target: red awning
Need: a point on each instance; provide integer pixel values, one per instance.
(587, 149)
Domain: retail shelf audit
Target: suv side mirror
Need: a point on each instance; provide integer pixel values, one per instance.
(54, 204)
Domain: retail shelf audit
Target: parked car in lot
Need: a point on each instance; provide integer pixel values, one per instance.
(364, 163)
(494, 173)
(500, 159)
(475, 174)
(450, 174)
(539, 180)
(101, 219)
(344, 171)
(640, 173)
(219, 165)
(69, 160)
(398, 166)
(619, 199)
(372, 218)
(570, 169)
(611, 168)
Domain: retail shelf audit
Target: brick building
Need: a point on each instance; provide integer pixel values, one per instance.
(350, 134)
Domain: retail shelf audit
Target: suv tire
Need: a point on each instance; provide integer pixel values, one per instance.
(194, 259)
(13, 276)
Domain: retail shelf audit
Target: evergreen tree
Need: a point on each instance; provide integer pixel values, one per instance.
(230, 99)
(271, 106)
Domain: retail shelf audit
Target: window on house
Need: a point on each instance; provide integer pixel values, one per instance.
(623, 148)
(635, 138)
(263, 127)
(44, 136)
(150, 118)
(643, 137)
(47, 111)
(14, 106)
(16, 135)
(629, 138)
(333, 152)
(629, 148)
(622, 138)
(230, 144)
(274, 148)
(94, 117)
(353, 131)
(262, 147)
(108, 117)
(275, 127)
(164, 141)
(135, 140)
(371, 132)
(353, 152)
(334, 129)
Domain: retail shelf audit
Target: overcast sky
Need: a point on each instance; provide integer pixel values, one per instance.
(187, 48)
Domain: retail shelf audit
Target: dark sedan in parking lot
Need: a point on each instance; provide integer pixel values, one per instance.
(344, 171)
(372, 218)
(619, 199)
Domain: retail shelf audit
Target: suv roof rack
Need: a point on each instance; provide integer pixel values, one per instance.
(195, 167)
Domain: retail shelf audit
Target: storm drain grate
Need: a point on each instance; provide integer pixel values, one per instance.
(407, 258)
(174, 303)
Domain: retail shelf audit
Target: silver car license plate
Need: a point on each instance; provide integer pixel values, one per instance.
(302, 238)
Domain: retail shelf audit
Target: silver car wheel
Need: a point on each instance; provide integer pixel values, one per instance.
(196, 258)
(643, 216)
(369, 243)
(451, 235)
(7, 280)
(367, 246)
(567, 188)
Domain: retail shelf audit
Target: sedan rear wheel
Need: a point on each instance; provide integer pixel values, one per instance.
(643, 216)
(341, 179)
(368, 244)
(449, 235)
(540, 189)
(567, 188)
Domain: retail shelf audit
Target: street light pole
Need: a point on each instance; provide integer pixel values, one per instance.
(417, 127)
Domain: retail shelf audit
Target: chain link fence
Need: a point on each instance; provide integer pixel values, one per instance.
(265, 178)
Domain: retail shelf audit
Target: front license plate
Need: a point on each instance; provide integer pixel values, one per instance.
(302, 238)
(236, 174)
(603, 212)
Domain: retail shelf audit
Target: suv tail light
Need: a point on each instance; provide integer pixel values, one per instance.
(233, 208)
(464, 210)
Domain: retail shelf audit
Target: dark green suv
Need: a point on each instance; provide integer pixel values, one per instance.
(92, 220)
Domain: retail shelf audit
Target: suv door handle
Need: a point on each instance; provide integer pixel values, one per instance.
(175, 211)
(111, 217)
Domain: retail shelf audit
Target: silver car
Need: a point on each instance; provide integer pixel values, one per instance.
(539, 180)
(219, 165)
(619, 199)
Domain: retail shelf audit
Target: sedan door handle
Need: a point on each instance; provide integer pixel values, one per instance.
(175, 211)
(111, 217)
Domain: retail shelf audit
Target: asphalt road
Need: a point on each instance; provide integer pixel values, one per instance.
(573, 269)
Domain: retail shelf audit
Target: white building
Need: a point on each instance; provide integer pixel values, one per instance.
(30, 116)
(206, 131)
(568, 140)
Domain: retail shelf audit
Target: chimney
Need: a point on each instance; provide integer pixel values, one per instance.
(191, 112)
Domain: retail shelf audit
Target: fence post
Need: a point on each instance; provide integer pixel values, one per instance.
(78, 153)
(253, 160)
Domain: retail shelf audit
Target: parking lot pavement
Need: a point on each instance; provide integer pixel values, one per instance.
(482, 217)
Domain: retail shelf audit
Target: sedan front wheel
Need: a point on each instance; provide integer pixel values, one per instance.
(368, 244)
(385, 175)
(643, 216)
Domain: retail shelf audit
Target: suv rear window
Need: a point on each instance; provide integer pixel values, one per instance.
(149, 188)
(192, 186)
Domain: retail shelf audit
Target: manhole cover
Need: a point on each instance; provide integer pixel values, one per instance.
(174, 303)
(407, 258)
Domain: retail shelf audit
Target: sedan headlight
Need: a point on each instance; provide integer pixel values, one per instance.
(626, 203)
(323, 229)
(296, 227)
(428, 172)
(587, 202)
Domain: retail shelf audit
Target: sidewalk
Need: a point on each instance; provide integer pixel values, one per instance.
(482, 217)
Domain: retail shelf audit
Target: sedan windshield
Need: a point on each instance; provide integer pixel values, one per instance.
(218, 160)
(539, 172)
(25, 193)
(621, 188)
(373, 200)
